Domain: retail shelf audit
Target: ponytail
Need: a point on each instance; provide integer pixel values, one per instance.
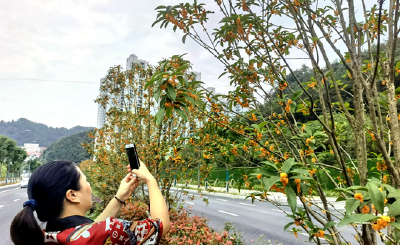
(24, 228)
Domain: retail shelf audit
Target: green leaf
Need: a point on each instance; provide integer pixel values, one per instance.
(300, 171)
(270, 164)
(293, 107)
(394, 194)
(149, 83)
(160, 115)
(160, 7)
(171, 92)
(376, 197)
(356, 218)
(262, 124)
(309, 179)
(256, 127)
(357, 187)
(157, 94)
(184, 38)
(351, 205)
(394, 209)
(297, 95)
(287, 225)
(287, 165)
(309, 224)
(182, 68)
(329, 225)
(267, 183)
(181, 113)
(291, 198)
(384, 103)
(168, 111)
(155, 22)
(395, 225)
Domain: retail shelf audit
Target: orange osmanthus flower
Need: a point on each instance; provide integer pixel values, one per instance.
(320, 234)
(365, 209)
(381, 223)
(359, 196)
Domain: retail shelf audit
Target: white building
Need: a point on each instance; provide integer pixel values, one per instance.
(137, 100)
(101, 111)
(33, 150)
(238, 109)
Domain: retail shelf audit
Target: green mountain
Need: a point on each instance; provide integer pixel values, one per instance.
(68, 148)
(38, 133)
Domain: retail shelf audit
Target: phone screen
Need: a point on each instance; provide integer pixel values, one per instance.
(132, 156)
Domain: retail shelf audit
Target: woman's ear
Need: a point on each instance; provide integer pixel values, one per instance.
(72, 197)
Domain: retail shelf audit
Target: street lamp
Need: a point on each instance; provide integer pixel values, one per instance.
(8, 168)
(21, 132)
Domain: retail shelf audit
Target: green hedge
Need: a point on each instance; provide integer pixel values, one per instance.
(237, 173)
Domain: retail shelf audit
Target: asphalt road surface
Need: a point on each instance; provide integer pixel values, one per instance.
(11, 201)
(251, 219)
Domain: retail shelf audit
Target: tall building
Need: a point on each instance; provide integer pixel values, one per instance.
(137, 97)
(238, 109)
(101, 111)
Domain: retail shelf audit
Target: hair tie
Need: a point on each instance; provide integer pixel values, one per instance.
(31, 203)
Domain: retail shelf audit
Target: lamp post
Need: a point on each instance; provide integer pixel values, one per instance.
(8, 167)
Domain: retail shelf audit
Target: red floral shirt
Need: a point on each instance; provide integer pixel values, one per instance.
(79, 231)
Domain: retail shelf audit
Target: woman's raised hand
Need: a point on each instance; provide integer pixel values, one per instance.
(127, 186)
(142, 173)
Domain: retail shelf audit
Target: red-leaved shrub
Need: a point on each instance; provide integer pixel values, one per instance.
(185, 228)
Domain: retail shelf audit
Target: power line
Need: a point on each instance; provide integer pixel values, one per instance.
(45, 80)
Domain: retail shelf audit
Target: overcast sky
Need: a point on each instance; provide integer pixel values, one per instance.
(45, 43)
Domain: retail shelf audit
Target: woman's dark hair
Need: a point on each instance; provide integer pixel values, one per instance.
(48, 186)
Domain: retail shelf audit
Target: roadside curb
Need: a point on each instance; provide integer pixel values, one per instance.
(4, 186)
(279, 198)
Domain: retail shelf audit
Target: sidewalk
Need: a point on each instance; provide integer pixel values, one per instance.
(278, 197)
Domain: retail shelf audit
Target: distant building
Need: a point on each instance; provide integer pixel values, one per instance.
(238, 109)
(137, 101)
(33, 150)
(137, 98)
(101, 111)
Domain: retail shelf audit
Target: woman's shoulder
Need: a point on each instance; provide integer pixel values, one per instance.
(114, 230)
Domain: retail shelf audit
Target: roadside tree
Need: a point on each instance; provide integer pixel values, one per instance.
(256, 42)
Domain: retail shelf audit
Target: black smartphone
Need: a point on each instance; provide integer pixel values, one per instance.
(132, 156)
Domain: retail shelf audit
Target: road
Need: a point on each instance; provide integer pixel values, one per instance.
(253, 220)
(11, 200)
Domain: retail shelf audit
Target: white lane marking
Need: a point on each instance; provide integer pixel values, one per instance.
(247, 204)
(9, 190)
(281, 211)
(16, 200)
(227, 213)
(221, 200)
(305, 234)
(200, 196)
(1, 206)
(190, 203)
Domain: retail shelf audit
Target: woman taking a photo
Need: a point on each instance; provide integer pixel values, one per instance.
(61, 196)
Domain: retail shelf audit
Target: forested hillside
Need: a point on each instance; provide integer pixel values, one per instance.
(38, 132)
(68, 148)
